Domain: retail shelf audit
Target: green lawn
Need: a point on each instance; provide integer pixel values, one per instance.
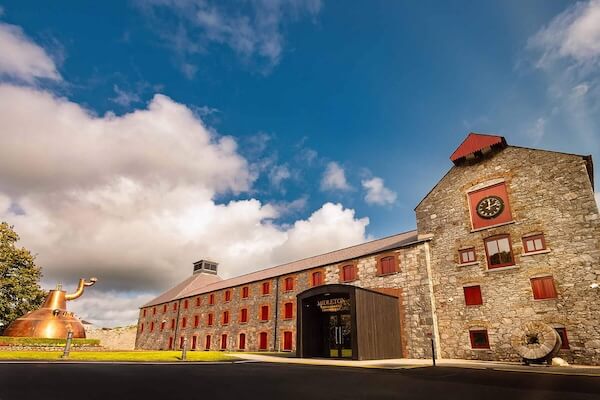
(118, 355)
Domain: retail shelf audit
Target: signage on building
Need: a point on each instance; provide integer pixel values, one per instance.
(334, 305)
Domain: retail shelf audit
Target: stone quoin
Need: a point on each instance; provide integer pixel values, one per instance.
(508, 236)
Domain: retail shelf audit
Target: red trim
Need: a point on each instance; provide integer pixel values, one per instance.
(227, 295)
(543, 288)
(211, 299)
(243, 315)
(289, 284)
(287, 340)
(207, 342)
(242, 341)
(475, 142)
(263, 340)
(266, 288)
(224, 341)
(473, 295)
(463, 251)
(533, 239)
(387, 265)
(482, 333)
(194, 342)
(264, 312)
(288, 310)
(348, 272)
(210, 319)
(196, 321)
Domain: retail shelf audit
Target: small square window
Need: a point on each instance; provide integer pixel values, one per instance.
(543, 288)
(479, 339)
(473, 295)
(466, 256)
(534, 243)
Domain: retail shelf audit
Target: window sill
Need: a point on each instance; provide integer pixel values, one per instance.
(263, 321)
(546, 299)
(534, 253)
(388, 274)
(486, 349)
(468, 264)
(492, 226)
(502, 268)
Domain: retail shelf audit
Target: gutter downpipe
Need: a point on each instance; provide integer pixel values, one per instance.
(276, 313)
(436, 332)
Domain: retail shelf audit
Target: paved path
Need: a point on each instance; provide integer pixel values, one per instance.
(256, 380)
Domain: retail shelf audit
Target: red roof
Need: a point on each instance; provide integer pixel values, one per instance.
(476, 142)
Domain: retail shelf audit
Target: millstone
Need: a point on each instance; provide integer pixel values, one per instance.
(535, 341)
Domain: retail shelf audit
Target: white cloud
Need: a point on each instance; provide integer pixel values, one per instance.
(124, 98)
(278, 174)
(252, 29)
(334, 178)
(537, 131)
(597, 196)
(580, 90)
(377, 193)
(130, 199)
(22, 59)
(574, 34)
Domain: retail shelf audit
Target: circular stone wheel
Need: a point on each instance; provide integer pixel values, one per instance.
(535, 340)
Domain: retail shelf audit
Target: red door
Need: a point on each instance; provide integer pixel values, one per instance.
(223, 341)
(263, 341)
(287, 341)
(242, 341)
(207, 342)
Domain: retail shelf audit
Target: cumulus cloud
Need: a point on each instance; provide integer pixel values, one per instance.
(130, 199)
(279, 174)
(334, 178)
(253, 29)
(377, 193)
(22, 59)
(124, 98)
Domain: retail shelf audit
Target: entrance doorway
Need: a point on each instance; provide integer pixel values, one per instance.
(340, 335)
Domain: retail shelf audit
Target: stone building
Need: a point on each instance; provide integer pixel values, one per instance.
(509, 235)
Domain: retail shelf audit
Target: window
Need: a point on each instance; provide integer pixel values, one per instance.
(287, 341)
(534, 243)
(288, 311)
(210, 320)
(225, 317)
(207, 343)
(165, 308)
(186, 304)
(242, 341)
(194, 342)
(245, 292)
(244, 315)
(289, 284)
(211, 299)
(174, 306)
(181, 340)
(198, 301)
(387, 265)
(264, 313)
(153, 310)
(543, 288)
(142, 328)
(183, 322)
(473, 295)
(144, 312)
(228, 295)
(499, 251)
(224, 341)
(171, 343)
(152, 326)
(266, 288)
(348, 273)
(317, 278)
(173, 324)
(262, 341)
(196, 321)
(162, 326)
(562, 332)
(466, 256)
(479, 339)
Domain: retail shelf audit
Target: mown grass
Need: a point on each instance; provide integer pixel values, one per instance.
(27, 341)
(118, 355)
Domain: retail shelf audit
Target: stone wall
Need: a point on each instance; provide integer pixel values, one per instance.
(121, 338)
(548, 192)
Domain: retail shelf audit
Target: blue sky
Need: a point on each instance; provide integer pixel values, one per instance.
(357, 104)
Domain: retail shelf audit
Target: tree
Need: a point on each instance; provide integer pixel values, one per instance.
(20, 291)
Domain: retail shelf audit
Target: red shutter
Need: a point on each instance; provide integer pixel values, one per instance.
(173, 324)
(153, 310)
(317, 278)
(210, 319)
(207, 347)
(144, 312)
(473, 295)
(194, 342)
(223, 341)
(196, 321)
(263, 341)
(266, 288)
(141, 328)
(245, 291)
(186, 304)
(287, 340)
(244, 315)
(151, 326)
(183, 322)
(543, 288)
(386, 265)
(289, 310)
(225, 317)
(211, 299)
(264, 313)
(289, 284)
(197, 301)
(242, 345)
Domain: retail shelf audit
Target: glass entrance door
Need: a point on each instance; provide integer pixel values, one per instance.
(340, 335)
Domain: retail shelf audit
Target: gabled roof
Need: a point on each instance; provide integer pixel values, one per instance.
(476, 142)
(193, 286)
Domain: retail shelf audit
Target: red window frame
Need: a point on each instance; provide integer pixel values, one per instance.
(316, 278)
(245, 292)
(470, 253)
(242, 341)
(475, 343)
(266, 288)
(263, 341)
(501, 264)
(289, 284)
(562, 332)
(225, 317)
(227, 296)
(537, 241)
(170, 342)
(186, 304)
(287, 341)
(348, 273)
(210, 319)
(153, 310)
(543, 287)
(174, 306)
(196, 321)
(194, 342)
(164, 308)
(473, 295)
(172, 323)
(243, 315)
(162, 326)
(183, 322)
(264, 313)
(211, 299)
(142, 328)
(152, 326)
(198, 301)
(387, 264)
(288, 310)
(207, 343)
(224, 341)
(144, 312)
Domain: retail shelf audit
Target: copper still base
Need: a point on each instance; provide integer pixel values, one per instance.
(51, 320)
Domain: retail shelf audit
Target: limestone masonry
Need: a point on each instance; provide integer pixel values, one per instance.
(508, 236)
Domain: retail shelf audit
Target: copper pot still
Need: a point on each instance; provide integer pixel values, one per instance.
(51, 320)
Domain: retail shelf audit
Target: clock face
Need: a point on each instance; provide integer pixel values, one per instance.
(490, 207)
